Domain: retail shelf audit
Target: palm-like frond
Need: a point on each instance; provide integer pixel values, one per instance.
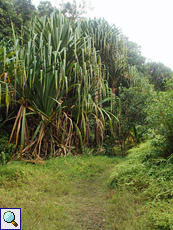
(55, 73)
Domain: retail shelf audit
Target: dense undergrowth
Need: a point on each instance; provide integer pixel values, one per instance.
(150, 178)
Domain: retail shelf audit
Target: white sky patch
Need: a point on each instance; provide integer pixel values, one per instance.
(149, 23)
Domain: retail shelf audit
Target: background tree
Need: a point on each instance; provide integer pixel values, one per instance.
(8, 15)
(75, 11)
(157, 74)
(45, 8)
(130, 112)
(19, 12)
(5, 19)
(133, 55)
(130, 106)
(25, 9)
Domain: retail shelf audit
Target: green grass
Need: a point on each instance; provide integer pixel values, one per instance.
(65, 193)
(95, 192)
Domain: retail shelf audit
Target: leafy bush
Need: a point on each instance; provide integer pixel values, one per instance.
(160, 116)
(130, 110)
(150, 178)
(137, 133)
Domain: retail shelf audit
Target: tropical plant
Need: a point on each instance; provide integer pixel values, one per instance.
(137, 132)
(160, 118)
(53, 76)
(130, 105)
(109, 40)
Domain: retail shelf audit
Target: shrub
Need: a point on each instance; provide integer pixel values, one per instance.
(160, 117)
(130, 110)
(147, 175)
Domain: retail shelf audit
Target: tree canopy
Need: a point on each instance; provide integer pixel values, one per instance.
(45, 8)
(158, 73)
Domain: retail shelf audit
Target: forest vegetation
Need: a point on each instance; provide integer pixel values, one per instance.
(78, 88)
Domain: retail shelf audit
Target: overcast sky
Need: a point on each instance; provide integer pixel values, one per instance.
(149, 23)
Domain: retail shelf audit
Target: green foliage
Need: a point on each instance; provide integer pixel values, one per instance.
(55, 75)
(108, 145)
(77, 61)
(137, 133)
(130, 112)
(157, 74)
(7, 15)
(45, 8)
(150, 177)
(25, 10)
(160, 117)
(134, 57)
(109, 40)
(18, 12)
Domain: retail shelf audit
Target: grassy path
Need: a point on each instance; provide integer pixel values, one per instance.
(66, 193)
(90, 211)
(89, 202)
(72, 193)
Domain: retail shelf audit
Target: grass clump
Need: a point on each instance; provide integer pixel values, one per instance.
(150, 178)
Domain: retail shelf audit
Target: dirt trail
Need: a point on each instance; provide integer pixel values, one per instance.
(90, 203)
(91, 196)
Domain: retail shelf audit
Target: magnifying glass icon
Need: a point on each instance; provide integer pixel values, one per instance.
(9, 217)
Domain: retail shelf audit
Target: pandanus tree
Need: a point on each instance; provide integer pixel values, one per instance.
(109, 40)
(115, 54)
(55, 76)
